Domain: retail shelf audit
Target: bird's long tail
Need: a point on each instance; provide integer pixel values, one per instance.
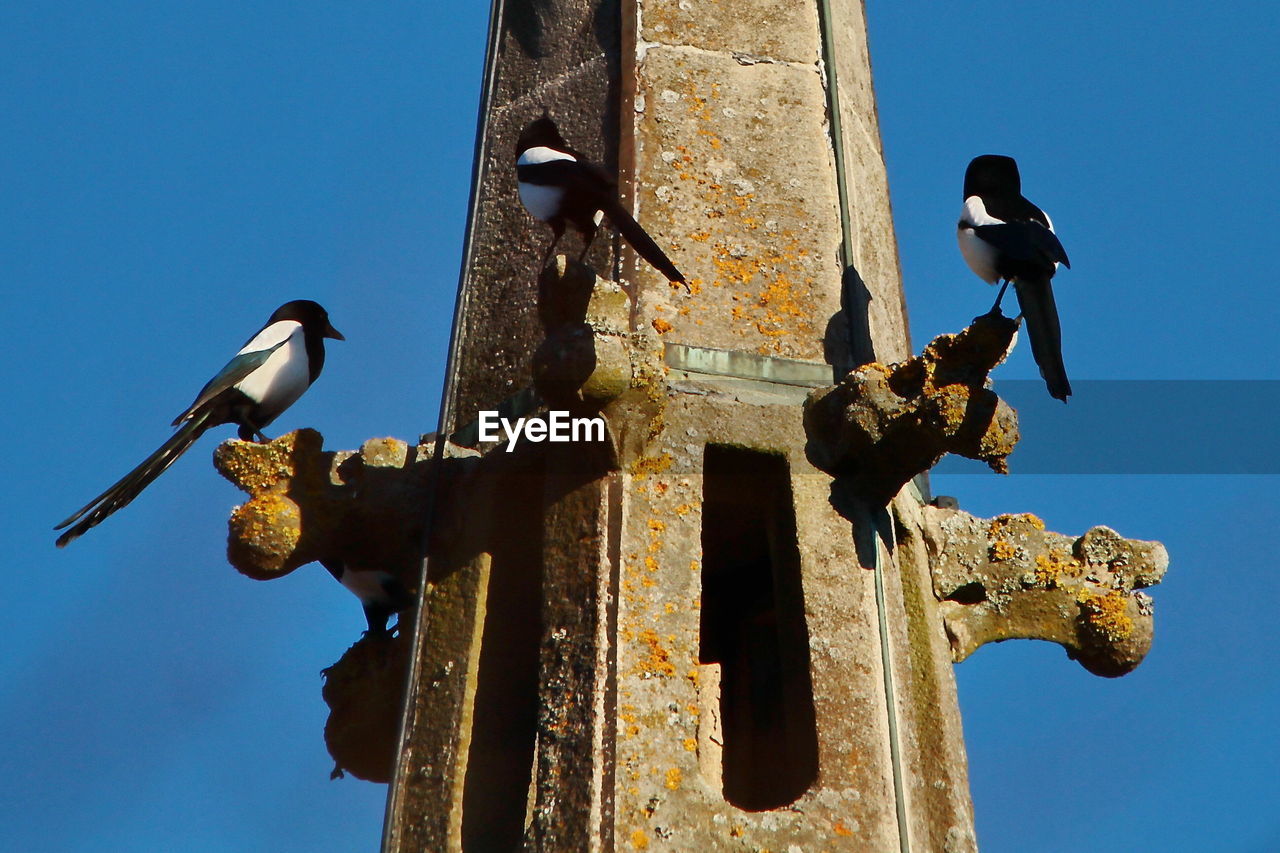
(132, 484)
(1035, 298)
(640, 240)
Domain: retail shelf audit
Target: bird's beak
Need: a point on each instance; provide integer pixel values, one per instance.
(331, 332)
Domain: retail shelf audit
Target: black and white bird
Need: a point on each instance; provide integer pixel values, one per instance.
(558, 186)
(1004, 237)
(380, 593)
(269, 373)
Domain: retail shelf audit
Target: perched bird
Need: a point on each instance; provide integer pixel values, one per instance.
(1004, 237)
(558, 185)
(381, 593)
(268, 374)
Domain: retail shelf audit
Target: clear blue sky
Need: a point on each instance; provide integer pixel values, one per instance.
(168, 177)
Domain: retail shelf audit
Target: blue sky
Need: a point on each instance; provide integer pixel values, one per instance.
(169, 176)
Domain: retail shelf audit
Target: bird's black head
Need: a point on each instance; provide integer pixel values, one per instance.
(541, 132)
(992, 175)
(310, 314)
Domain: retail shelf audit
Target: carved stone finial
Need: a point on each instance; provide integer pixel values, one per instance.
(882, 425)
(590, 360)
(365, 694)
(361, 508)
(365, 510)
(1008, 578)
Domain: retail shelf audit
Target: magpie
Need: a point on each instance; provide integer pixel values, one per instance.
(1004, 237)
(381, 593)
(558, 186)
(268, 374)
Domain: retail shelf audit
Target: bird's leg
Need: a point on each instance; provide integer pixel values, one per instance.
(557, 228)
(249, 432)
(995, 309)
(377, 616)
(589, 235)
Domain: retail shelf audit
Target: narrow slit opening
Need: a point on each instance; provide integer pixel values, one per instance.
(753, 626)
(499, 769)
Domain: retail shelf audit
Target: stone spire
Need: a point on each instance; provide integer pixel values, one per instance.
(690, 636)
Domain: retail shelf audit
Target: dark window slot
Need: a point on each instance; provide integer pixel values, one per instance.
(753, 625)
(500, 759)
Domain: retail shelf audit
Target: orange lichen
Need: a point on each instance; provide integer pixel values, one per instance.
(1001, 551)
(690, 744)
(674, 778)
(1107, 613)
(647, 466)
(1053, 566)
(639, 840)
(840, 829)
(1004, 522)
(661, 326)
(657, 661)
(265, 531)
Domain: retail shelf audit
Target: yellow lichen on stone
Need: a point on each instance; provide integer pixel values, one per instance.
(384, 453)
(639, 840)
(257, 467)
(657, 661)
(1008, 520)
(1107, 613)
(648, 466)
(674, 778)
(1052, 566)
(264, 533)
(952, 403)
(1001, 550)
(873, 367)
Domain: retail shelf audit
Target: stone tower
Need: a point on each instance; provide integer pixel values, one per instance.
(688, 637)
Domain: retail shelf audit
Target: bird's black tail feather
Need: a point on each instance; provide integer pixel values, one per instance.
(641, 241)
(131, 484)
(1035, 299)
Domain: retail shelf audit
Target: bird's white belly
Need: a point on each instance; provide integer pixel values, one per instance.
(978, 254)
(541, 201)
(367, 585)
(281, 380)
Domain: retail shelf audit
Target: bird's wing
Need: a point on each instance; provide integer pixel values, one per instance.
(585, 179)
(235, 371)
(590, 182)
(1025, 241)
